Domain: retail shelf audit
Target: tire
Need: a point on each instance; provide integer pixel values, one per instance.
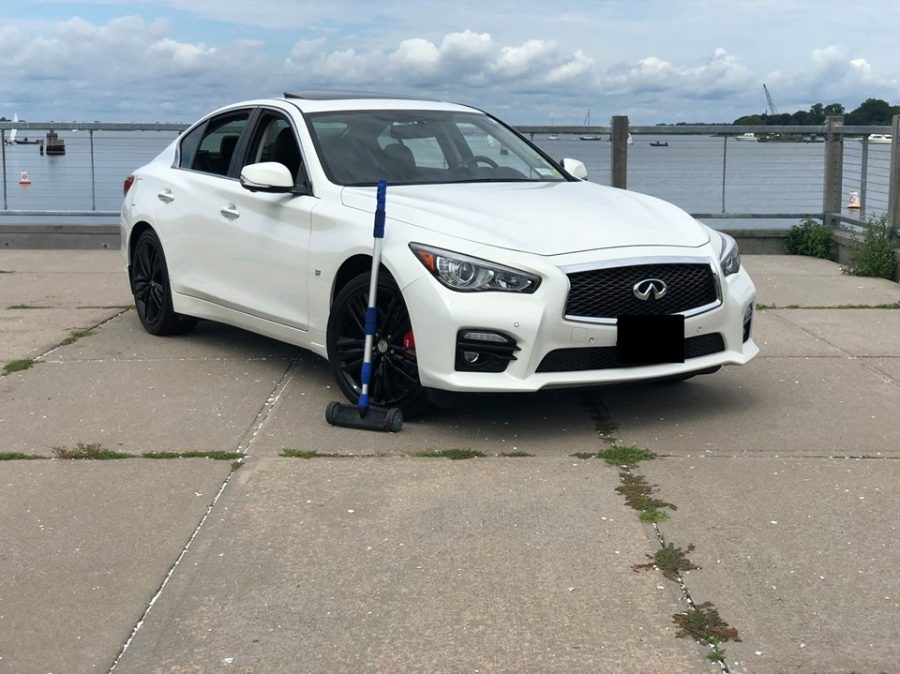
(151, 290)
(395, 373)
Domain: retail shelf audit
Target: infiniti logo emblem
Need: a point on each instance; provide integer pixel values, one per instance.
(650, 287)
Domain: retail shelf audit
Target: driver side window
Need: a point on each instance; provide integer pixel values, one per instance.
(276, 141)
(217, 144)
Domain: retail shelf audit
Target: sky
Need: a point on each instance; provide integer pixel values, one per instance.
(657, 61)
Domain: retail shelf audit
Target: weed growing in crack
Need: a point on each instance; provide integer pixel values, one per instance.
(92, 450)
(305, 454)
(74, 336)
(638, 495)
(670, 560)
(515, 455)
(17, 366)
(704, 624)
(216, 455)
(452, 454)
(603, 424)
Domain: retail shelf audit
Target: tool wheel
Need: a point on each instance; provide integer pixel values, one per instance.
(331, 412)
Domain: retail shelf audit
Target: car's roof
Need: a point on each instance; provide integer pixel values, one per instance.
(323, 101)
(328, 95)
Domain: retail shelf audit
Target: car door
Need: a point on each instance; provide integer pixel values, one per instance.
(189, 201)
(263, 238)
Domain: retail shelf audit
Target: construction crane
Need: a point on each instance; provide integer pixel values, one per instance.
(772, 109)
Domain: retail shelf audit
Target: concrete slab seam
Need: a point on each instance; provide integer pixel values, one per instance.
(265, 412)
(685, 592)
(170, 573)
(849, 355)
(90, 329)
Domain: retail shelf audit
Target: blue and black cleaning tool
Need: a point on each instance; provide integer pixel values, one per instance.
(363, 415)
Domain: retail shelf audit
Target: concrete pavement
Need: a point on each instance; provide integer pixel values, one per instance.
(398, 563)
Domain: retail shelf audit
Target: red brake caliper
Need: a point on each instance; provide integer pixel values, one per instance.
(409, 344)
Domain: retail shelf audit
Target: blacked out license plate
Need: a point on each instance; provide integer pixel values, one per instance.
(650, 340)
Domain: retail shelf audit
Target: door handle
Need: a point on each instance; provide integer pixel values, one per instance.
(230, 211)
(166, 195)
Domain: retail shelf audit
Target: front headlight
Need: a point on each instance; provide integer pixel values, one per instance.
(470, 274)
(730, 256)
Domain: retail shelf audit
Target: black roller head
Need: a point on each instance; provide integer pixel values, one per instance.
(383, 419)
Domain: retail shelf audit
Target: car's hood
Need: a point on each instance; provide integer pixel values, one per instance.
(540, 218)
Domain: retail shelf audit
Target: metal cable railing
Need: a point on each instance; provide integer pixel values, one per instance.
(703, 169)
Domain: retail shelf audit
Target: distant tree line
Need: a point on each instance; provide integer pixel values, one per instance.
(871, 112)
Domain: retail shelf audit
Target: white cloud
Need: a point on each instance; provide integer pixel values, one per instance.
(134, 68)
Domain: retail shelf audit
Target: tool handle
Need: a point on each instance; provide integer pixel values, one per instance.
(379, 210)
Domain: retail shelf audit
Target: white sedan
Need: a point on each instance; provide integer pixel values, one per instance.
(502, 270)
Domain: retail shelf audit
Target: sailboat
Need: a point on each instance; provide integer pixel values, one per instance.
(587, 122)
(12, 134)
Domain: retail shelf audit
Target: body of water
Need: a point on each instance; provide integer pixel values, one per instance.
(759, 178)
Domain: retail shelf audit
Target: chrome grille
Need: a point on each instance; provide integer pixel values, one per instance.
(607, 293)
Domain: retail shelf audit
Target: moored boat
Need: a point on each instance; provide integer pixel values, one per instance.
(879, 138)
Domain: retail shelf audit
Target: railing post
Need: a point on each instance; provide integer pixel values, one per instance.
(93, 178)
(3, 151)
(894, 178)
(619, 154)
(863, 177)
(834, 168)
(724, 166)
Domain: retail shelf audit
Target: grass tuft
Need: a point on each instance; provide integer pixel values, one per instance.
(452, 454)
(91, 450)
(626, 455)
(17, 366)
(19, 456)
(653, 516)
(515, 455)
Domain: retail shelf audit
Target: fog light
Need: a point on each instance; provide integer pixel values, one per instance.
(480, 350)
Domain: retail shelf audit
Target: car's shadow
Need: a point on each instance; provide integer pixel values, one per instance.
(564, 420)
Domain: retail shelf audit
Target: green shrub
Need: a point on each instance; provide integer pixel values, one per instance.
(873, 254)
(811, 237)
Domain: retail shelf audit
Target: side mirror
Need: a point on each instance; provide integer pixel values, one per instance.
(268, 176)
(575, 168)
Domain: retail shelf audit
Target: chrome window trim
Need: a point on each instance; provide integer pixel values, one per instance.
(633, 262)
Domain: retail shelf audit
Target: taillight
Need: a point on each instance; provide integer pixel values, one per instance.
(129, 181)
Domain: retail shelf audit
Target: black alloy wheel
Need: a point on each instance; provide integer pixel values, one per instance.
(395, 373)
(150, 287)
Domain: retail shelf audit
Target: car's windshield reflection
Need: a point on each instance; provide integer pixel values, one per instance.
(424, 147)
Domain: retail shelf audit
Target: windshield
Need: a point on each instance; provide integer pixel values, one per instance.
(409, 147)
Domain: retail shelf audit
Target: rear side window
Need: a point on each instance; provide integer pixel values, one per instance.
(209, 148)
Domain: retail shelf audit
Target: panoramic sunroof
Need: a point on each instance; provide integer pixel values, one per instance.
(325, 95)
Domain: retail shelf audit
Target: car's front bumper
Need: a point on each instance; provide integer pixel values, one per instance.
(537, 324)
